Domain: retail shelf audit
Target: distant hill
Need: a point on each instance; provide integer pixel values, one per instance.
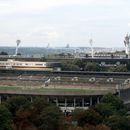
(41, 51)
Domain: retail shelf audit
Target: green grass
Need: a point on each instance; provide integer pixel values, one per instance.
(6, 88)
(22, 89)
(62, 90)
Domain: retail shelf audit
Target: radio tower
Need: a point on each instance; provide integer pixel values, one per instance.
(17, 46)
(127, 45)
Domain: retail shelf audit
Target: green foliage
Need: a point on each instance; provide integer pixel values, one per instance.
(46, 116)
(110, 106)
(19, 54)
(119, 68)
(69, 66)
(5, 118)
(49, 118)
(19, 107)
(37, 106)
(114, 112)
(114, 101)
(3, 53)
(89, 117)
(76, 114)
(117, 122)
(105, 109)
(110, 112)
(92, 66)
(128, 66)
(43, 59)
(16, 103)
(40, 113)
(79, 62)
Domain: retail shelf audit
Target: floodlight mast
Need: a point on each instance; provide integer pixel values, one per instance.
(127, 45)
(48, 45)
(17, 46)
(91, 44)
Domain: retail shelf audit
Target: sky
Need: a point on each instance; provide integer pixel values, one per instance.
(38, 23)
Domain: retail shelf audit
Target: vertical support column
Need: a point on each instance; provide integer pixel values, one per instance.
(31, 99)
(98, 100)
(57, 102)
(74, 102)
(65, 110)
(91, 101)
(83, 102)
(0, 99)
(65, 103)
(48, 100)
(7, 98)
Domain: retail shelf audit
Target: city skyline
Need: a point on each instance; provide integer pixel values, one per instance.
(62, 22)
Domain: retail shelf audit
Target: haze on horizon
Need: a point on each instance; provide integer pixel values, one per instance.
(61, 22)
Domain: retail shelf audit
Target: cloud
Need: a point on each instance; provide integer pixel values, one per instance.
(62, 20)
(128, 24)
(34, 5)
(22, 6)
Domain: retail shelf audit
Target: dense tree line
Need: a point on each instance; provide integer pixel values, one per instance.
(80, 65)
(3, 53)
(109, 114)
(18, 113)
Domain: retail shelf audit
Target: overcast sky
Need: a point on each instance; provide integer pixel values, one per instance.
(61, 22)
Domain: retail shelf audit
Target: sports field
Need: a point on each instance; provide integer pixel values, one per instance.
(48, 90)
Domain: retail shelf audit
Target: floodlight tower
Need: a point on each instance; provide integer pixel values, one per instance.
(48, 45)
(127, 45)
(17, 46)
(91, 44)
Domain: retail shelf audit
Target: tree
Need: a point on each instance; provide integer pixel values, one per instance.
(119, 68)
(114, 101)
(38, 105)
(19, 54)
(117, 122)
(20, 110)
(5, 118)
(62, 54)
(105, 109)
(21, 119)
(3, 53)
(92, 66)
(97, 127)
(89, 117)
(128, 65)
(102, 127)
(76, 114)
(111, 105)
(43, 59)
(50, 115)
(79, 62)
(86, 55)
(14, 104)
(46, 116)
(69, 66)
